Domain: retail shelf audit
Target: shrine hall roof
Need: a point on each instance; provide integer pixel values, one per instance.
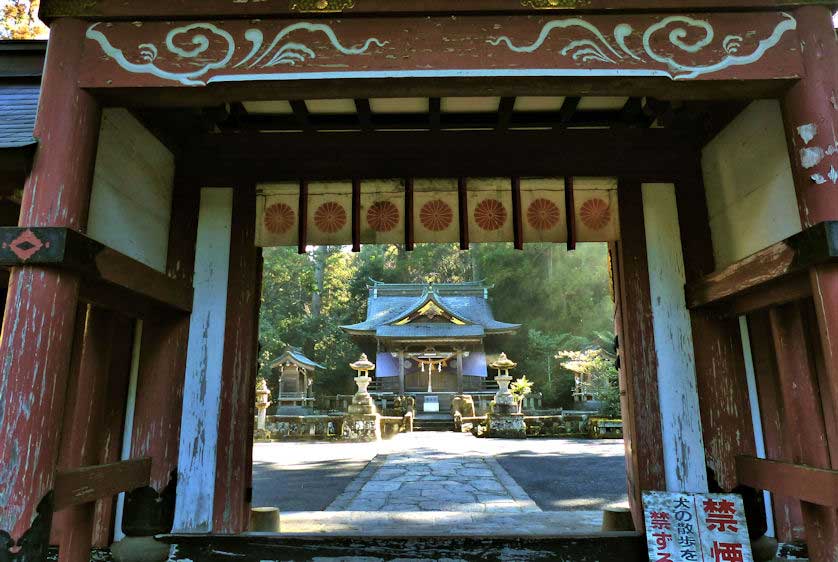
(18, 107)
(390, 306)
(295, 355)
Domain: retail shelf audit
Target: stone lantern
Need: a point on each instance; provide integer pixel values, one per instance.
(363, 421)
(504, 420)
(263, 400)
(504, 400)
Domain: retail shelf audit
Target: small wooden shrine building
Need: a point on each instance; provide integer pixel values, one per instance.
(175, 139)
(294, 374)
(429, 337)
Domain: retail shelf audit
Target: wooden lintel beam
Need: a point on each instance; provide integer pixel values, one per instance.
(98, 264)
(774, 293)
(806, 483)
(87, 484)
(813, 246)
(635, 152)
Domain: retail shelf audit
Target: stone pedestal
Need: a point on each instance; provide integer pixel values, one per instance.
(363, 422)
(361, 427)
(508, 426)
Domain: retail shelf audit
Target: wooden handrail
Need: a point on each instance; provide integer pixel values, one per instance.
(806, 483)
(87, 484)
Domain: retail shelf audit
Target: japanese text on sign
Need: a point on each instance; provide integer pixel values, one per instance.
(696, 527)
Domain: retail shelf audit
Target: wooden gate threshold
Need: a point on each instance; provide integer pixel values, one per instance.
(602, 547)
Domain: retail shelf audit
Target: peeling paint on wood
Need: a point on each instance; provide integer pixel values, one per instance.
(683, 446)
(40, 311)
(198, 449)
(231, 511)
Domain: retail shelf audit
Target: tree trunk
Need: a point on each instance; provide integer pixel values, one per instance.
(321, 254)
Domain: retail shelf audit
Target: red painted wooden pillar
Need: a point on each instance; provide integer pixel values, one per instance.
(717, 343)
(41, 305)
(84, 413)
(810, 113)
(639, 373)
(157, 411)
(235, 432)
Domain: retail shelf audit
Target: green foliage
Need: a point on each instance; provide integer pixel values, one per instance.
(562, 299)
(595, 375)
(19, 20)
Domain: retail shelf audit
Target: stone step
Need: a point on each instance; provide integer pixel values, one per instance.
(433, 424)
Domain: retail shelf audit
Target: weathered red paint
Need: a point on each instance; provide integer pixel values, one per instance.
(159, 402)
(84, 417)
(235, 435)
(804, 419)
(125, 54)
(38, 324)
(810, 113)
(641, 413)
(110, 445)
(788, 519)
(719, 365)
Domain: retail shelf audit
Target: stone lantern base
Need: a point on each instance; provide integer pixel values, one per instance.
(507, 426)
(360, 427)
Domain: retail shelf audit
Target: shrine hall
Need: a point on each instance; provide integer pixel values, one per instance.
(161, 145)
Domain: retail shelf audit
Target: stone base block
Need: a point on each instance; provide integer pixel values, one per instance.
(139, 549)
(361, 428)
(510, 426)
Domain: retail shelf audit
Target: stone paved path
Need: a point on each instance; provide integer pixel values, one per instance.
(429, 479)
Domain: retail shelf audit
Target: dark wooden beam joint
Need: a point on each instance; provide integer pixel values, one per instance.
(98, 264)
(768, 269)
(90, 483)
(462, 197)
(806, 483)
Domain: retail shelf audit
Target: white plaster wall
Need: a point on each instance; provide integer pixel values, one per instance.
(683, 444)
(131, 200)
(750, 191)
(204, 356)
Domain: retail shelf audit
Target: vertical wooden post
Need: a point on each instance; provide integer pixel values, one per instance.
(683, 444)
(810, 114)
(41, 306)
(164, 341)
(804, 413)
(238, 382)
(639, 374)
(197, 453)
(459, 371)
(85, 415)
(717, 344)
(401, 371)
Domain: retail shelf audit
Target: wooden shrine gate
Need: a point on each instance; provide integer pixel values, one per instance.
(135, 270)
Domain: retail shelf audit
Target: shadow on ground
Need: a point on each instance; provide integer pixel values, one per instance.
(302, 487)
(589, 480)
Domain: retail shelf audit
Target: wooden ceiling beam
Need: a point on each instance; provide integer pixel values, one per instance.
(568, 109)
(505, 112)
(650, 153)
(362, 107)
(502, 120)
(301, 114)
(435, 112)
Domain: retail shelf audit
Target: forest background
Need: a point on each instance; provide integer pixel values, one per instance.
(562, 298)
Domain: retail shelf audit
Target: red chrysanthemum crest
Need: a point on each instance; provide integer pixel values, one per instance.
(330, 217)
(595, 213)
(383, 216)
(279, 218)
(436, 215)
(490, 214)
(543, 214)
